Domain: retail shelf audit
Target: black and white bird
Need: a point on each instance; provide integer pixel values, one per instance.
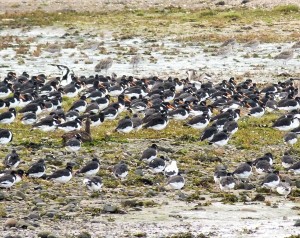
(111, 112)
(103, 102)
(257, 112)
(287, 160)
(284, 189)
(157, 123)
(267, 157)
(243, 171)
(176, 182)
(231, 126)
(70, 125)
(6, 90)
(62, 175)
(12, 160)
(79, 105)
(180, 113)
(227, 183)
(209, 133)
(90, 169)
(287, 123)
(37, 170)
(220, 139)
(29, 119)
(94, 184)
(290, 138)
(36, 108)
(171, 169)
(157, 165)
(47, 124)
(220, 172)
(120, 170)
(125, 125)
(97, 119)
(150, 153)
(271, 180)
(6, 136)
(8, 180)
(74, 144)
(8, 117)
(295, 168)
(137, 122)
(263, 167)
(72, 115)
(198, 122)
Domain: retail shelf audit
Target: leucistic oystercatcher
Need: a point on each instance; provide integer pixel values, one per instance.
(171, 169)
(94, 183)
(284, 189)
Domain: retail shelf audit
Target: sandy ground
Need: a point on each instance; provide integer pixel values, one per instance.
(107, 5)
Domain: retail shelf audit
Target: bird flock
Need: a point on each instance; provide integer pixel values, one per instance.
(214, 109)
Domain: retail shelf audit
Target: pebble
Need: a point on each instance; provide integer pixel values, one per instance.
(44, 234)
(84, 234)
(21, 195)
(2, 196)
(109, 208)
(297, 223)
(34, 216)
(10, 222)
(297, 184)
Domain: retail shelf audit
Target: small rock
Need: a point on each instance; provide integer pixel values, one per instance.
(35, 216)
(52, 236)
(10, 222)
(2, 196)
(297, 223)
(44, 234)
(297, 184)
(139, 172)
(221, 3)
(109, 208)
(12, 236)
(84, 234)
(259, 197)
(50, 214)
(21, 195)
(22, 224)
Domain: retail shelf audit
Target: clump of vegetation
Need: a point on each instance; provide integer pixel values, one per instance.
(287, 8)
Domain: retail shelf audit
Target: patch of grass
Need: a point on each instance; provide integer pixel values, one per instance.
(287, 8)
(232, 15)
(151, 23)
